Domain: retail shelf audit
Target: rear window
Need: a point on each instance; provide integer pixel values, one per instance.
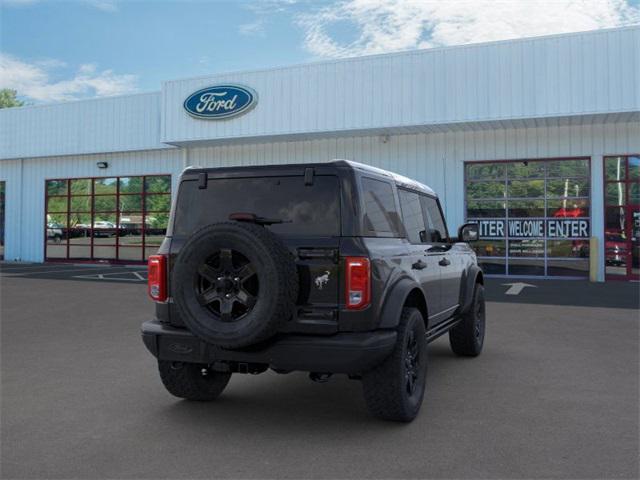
(306, 210)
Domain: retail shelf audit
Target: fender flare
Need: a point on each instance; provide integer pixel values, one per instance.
(470, 277)
(395, 299)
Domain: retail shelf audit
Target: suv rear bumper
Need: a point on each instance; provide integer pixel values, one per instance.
(351, 353)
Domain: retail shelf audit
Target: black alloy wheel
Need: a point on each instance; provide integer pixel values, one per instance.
(227, 285)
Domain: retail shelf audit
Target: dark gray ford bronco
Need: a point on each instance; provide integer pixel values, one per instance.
(327, 268)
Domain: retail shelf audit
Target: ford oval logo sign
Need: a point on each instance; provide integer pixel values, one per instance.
(220, 101)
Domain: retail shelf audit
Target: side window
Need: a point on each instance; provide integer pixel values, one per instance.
(436, 227)
(379, 206)
(412, 215)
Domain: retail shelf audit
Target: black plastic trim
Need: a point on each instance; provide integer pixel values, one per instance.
(350, 353)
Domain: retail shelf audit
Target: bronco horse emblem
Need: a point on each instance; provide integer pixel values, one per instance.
(322, 280)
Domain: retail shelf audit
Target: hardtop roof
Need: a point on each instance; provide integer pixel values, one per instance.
(398, 179)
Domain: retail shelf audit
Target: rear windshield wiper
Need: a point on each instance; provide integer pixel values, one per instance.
(253, 218)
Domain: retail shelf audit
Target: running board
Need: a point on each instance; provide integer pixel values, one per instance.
(442, 328)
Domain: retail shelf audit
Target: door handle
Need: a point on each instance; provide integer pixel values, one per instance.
(444, 262)
(419, 265)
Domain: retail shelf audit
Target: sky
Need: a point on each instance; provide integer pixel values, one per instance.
(54, 50)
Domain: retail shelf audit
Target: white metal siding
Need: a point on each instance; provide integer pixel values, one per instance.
(114, 124)
(436, 159)
(558, 76)
(25, 195)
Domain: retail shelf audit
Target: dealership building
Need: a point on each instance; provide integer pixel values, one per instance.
(536, 139)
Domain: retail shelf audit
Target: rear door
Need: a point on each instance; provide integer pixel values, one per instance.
(306, 212)
(424, 267)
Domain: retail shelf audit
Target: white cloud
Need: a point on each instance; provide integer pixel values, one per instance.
(34, 80)
(389, 25)
(253, 28)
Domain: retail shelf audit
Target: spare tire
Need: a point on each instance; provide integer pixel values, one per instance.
(234, 284)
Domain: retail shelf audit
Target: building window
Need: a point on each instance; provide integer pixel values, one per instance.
(534, 216)
(622, 217)
(114, 218)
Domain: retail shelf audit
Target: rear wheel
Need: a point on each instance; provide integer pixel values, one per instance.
(394, 390)
(192, 381)
(467, 337)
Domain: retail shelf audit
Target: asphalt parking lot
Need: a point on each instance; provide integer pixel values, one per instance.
(555, 394)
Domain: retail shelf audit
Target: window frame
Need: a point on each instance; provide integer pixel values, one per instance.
(546, 199)
(91, 195)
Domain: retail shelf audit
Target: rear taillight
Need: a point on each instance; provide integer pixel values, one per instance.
(358, 282)
(157, 278)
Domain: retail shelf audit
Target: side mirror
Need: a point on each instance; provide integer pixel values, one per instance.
(468, 232)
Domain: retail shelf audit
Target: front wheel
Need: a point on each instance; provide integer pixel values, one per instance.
(192, 381)
(394, 389)
(467, 337)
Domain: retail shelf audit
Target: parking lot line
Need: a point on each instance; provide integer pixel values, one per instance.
(39, 272)
(112, 277)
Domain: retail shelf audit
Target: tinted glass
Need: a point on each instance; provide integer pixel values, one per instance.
(489, 248)
(104, 203)
(615, 193)
(131, 184)
(158, 203)
(614, 168)
(57, 204)
(105, 185)
(526, 248)
(570, 208)
(412, 216)
(130, 203)
(568, 248)
(565, 268)
(160, 184)
(80, 186)
(526, 189)
(380, 208)
(568, 168)
(634, 193)
(436, 227)
(634, 168)
(575, 187)
(56, 187)
(304, 209)
(485, 171)
(526, 208)
(81, 204)
(486, 208)
(493, 266)
(486, 190)
(525, 169)
(518, 266)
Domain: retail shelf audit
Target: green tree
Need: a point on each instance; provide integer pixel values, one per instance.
(8, 98)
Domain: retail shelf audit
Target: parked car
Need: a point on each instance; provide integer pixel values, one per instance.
(334, 268)
(54, 232)
(103, 228)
